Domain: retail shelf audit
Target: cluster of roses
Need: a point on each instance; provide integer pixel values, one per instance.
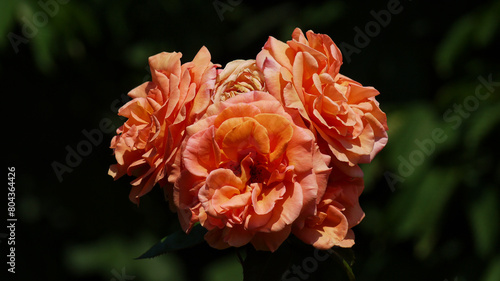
(258, 150)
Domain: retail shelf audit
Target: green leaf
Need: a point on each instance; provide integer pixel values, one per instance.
(346, 257)
(483, 122)
(7, 15)
(176, 241)
(348, 270)
(424, 204)
(483, 214)
(493, 271)
(408, 123)
(488, 24)
(454, 43)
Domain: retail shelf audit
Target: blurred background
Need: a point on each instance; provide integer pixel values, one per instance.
(432, 198)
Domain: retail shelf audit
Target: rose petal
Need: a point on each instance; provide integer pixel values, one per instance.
(270, 241)
(200, 151)
(265, 198)
(248, 135)
(279, 131)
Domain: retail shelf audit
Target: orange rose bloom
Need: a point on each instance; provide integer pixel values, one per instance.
(147, 145)
(344, 115)
(249, 173)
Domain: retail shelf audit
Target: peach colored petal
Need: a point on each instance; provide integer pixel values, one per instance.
(286, 213)
(238, 200)
(309, 189)
(279, 131)
(265, 198)
(333, 229)
(279, 51)
(322, 172)
(292, 100)
(220, 196)
(298, 150)
(221, 192)
(380, 138)
(274, 82)
(143, 184)
(338, 211)
(270, 241)
(349, 191)
(237, 236)
(255, 221)
(262, 100)
(352, 171)
(279, 174)
(358, 93)
(207, 221)
(298, 35)
(200, 150)
(187, 88)
(215, 238)
(201, 102)
(227, 125)
(211, 196)
(304, 68)
(185, 199)
(114, 171)
(242, 110)
(317, 57)
(201, 62)
(226, 200)
(199, 126)
(248, 134)
(348, 241)
(138, 104)
(141, 91)
(165, 63)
